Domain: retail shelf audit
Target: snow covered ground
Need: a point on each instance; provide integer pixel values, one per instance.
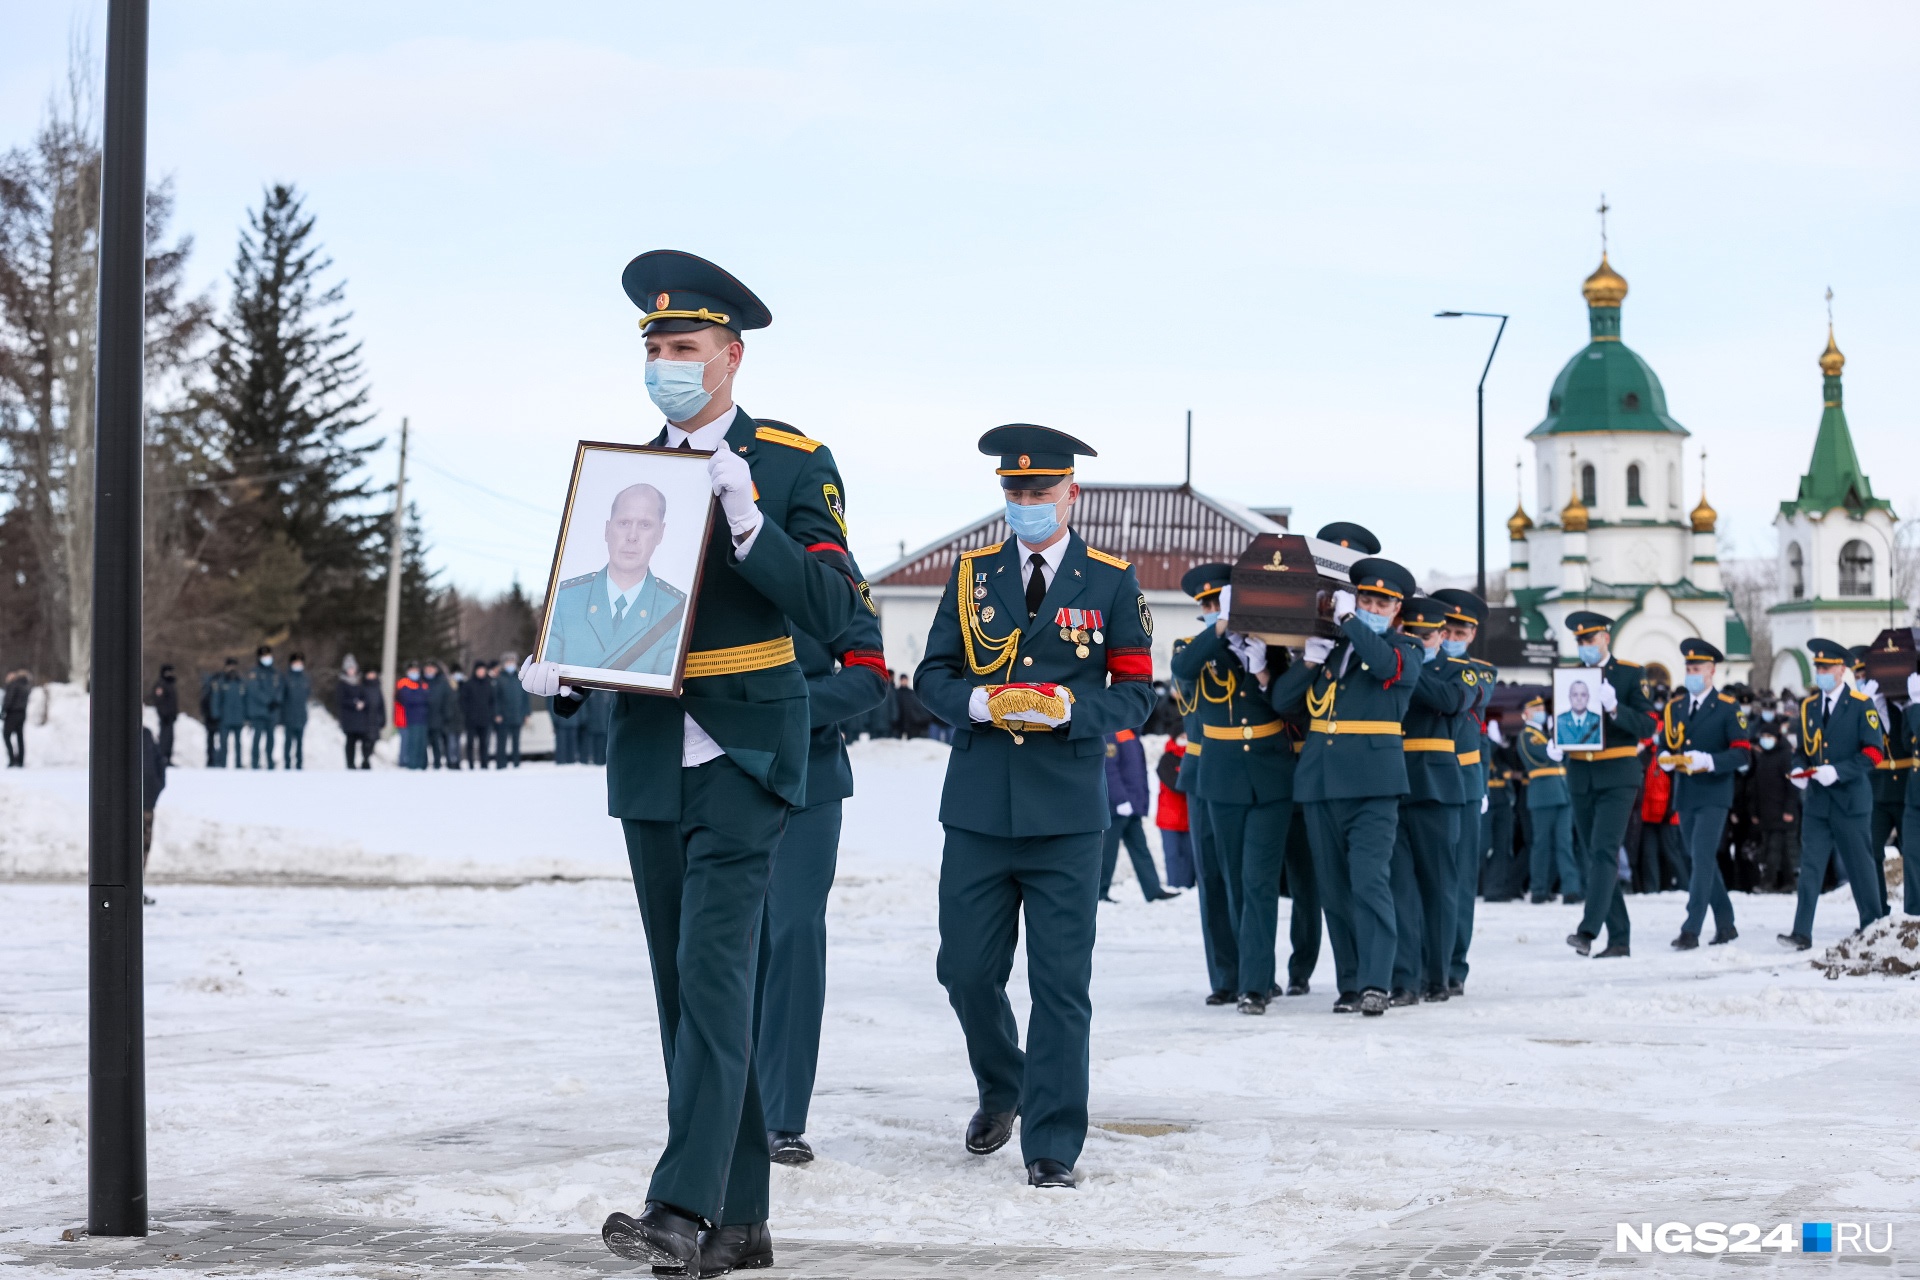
(487, 1055)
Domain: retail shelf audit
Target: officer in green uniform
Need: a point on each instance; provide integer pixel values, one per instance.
(1889, 787)
(1909, 735)
(1247, 786)
(622, 617)
(1841, 743)
(1465, 612)
(1703, 743)
(704, 783)
(1603, 784)
(1423, 851)
(1549, 808)
(1041, 646)
(1217, 895)
(844, 679)
(1506, 782)
(1355, 692)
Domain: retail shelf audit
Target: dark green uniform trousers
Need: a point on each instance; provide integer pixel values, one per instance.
(1423, 892)
(1826, 834)
(1353, 858)
(702, 884)
(1303, 929)
(1886, 821)
(1506, 869)
(1700, 831)
(1600, 817)
(793, 965)
(1550, 852)
(1469, 850)
(1252, 843)
(1910, 883)
(985, 884)
(1216, 903)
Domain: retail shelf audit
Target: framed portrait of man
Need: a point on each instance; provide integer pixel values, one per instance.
(626, 570)
(1577, 711)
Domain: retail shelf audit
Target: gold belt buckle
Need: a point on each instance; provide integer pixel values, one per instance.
(1247, 732)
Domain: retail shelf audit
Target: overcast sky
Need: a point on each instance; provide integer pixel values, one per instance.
(1094, 216)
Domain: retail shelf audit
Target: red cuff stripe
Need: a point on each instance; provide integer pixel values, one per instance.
(1137, 666)
(1872, 753)
(828, 546)
(1399, 669)
(1742, 745)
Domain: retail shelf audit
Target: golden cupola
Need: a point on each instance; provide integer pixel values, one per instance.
(1519, 523)
(1573, 516)
(1605, 287)
(1831, 361)
(1704, 517)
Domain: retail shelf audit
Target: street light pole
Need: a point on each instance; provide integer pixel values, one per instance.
(116, 1052)
(1480, 435)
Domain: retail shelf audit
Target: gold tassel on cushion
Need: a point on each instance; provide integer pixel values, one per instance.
(1007, 699)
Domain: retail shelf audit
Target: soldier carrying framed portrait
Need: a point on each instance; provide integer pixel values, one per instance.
(626, 568)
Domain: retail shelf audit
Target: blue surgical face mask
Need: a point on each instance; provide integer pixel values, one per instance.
(1825, 681)
(1454, 648)
(1430, 655)
(1767, 715)
(1696, 683)
(678, 387)
(1208, 619)
(1536, 718)
(1768, 742)
(1589, 655)
(1034, 524)
(266, 660)
(1374, 622)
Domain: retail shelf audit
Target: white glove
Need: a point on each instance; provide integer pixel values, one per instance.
(1870, 687)
(733, 484)
(542, 679)
(1699, 762)
(1316, 650)
(1251, 650)
(1609, 697)
(1226, 602)
(1826, 775)
(1798, 782)
(1483, 804)
(1495, 733)
(1555, 752)
(1345, 604)
(1913, 687)
(1666, 766)
(977, 705)
(1124, 808)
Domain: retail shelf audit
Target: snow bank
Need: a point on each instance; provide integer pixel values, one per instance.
(1890, 946)
(57, 732)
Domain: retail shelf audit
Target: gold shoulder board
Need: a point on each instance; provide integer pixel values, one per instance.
(792, 439)
(1104, 558)
(1726, 697)
(574, 582)
(982, 551)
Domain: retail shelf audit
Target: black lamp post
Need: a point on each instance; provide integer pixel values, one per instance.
(1480, 401)
(116, 1053)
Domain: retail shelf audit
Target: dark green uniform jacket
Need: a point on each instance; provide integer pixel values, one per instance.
(1186, 697)
(1355, 703)
(1053, 783)
(796, 569)
(1718, 728)
(1249, 751)
(844, 680)
(1441, 696)
(1851, 740)
(1617, 763)
(1546, 777)
(1893, 778)
(1469, 730)
(1911, 737)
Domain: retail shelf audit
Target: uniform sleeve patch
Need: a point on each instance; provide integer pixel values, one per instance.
(866, 594)
(1104, 558)
(791, 439)
(836, 506)
(1146, 614)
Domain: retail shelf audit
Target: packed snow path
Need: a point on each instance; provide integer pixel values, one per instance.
(485, 1058)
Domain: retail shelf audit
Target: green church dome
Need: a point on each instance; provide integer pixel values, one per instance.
(1606, 386)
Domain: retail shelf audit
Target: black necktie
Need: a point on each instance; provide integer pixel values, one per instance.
(686, 442)
(1036, 584)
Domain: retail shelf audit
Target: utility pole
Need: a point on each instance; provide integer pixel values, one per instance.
(116, 1010)
(390, 642)
(1188, 482)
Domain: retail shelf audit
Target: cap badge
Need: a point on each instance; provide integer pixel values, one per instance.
(660, 303)
(1025, 461)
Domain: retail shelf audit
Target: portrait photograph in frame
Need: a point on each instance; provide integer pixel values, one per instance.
(1577, 714)
(626, 568)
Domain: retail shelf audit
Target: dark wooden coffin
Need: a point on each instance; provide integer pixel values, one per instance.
(1891, 658)
(1283, 587)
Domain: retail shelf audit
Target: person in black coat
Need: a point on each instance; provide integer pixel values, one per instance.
(362, 713)
(153, 780)
(1776, 811)
(166, 706)
(912, 714)
(476, 705)
(13, 716)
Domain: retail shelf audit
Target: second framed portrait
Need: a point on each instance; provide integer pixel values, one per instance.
(1576, 709)
(626, 572)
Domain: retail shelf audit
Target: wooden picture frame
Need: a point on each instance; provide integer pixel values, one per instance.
(626, 568)
(1576, 697)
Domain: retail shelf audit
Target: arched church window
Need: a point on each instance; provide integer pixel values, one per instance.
(1673, 485)
(1633, 486)
(1856, 569)
(1796, 572)
(1589, 485)
(1630, 401)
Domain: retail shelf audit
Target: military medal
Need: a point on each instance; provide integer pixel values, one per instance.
(1096, 637)
(986, 614)
(1066, 634)
(1081, 651)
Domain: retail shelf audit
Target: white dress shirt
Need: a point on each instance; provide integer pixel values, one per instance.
(1049, 560)
(696, 744)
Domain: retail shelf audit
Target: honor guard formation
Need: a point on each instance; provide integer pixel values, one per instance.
(1370, 774)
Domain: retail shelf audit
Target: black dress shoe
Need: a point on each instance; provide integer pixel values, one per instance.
(1581, 942)
(1220, 997)
(788, 1148)
(1107, 897)
(1298, 987)
(1049, 1173)
(1273, 992)
(1373, 1002)
(661, 1235)
(1253, 1003)
(1403, 998)
(1163, 895)
(1685, 942)
(1456, 989)
(1436, 995)
(1615, 951)
(1572, 900)
(1721, 937)
(1799, 942)
(735, 1248)
(1348, 1002)
(1537, 899)
(988, 1131)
